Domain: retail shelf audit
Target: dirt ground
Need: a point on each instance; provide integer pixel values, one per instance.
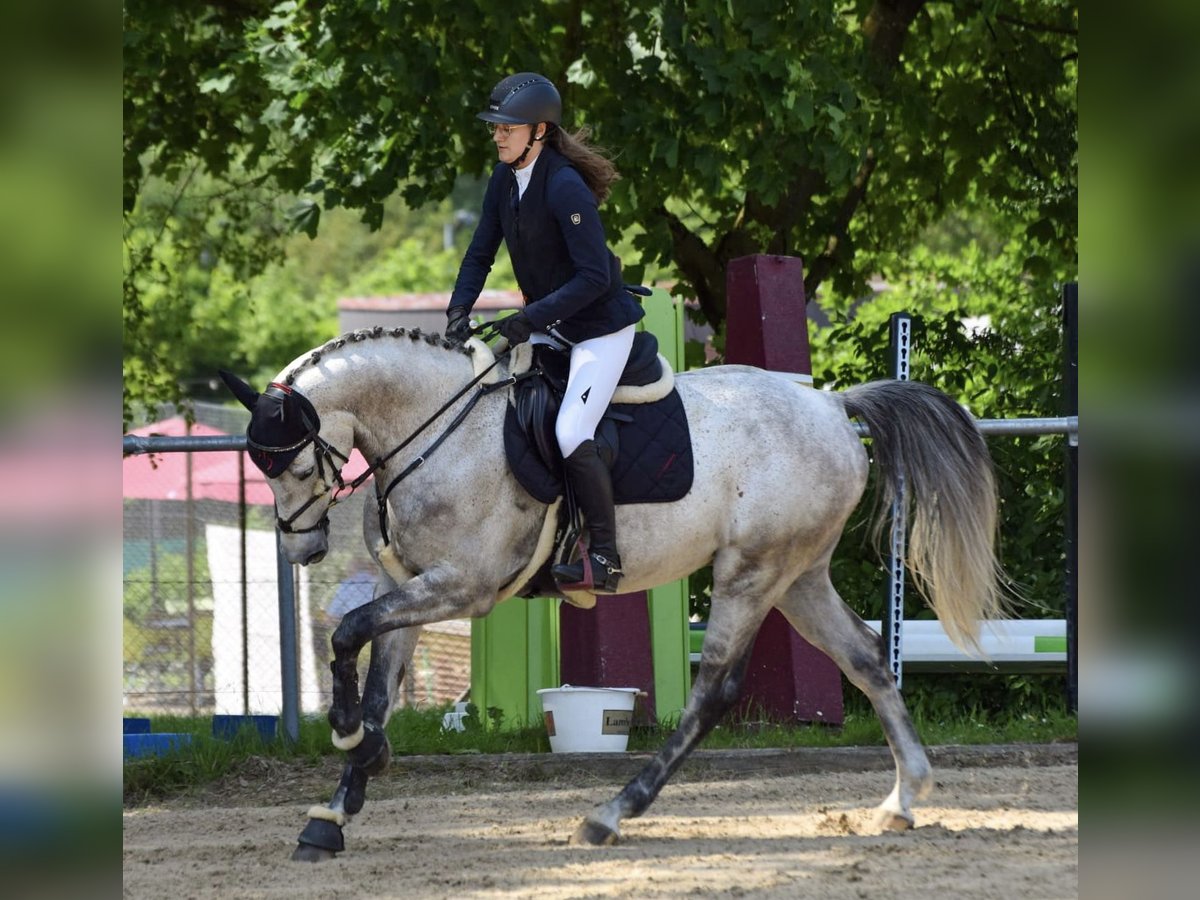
(484, 830)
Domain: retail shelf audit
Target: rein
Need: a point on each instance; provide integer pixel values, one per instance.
(484, 390)
(327, 452)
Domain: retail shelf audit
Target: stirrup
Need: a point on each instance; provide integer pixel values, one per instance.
(582, 575)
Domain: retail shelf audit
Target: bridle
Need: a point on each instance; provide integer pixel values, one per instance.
(325, 453)
(339, 489)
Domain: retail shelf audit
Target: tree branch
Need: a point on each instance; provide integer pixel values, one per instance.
(782, 217)
(572, 41)
(885, 28)
(823, 264)
(699, 265)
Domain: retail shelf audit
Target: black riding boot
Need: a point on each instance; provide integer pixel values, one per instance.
(600, 570)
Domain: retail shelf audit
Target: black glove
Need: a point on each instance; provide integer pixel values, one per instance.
(516, 328)
(458, 324)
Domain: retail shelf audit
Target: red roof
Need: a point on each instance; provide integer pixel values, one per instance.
(436, 301)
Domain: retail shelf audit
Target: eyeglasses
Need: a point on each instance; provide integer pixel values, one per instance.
(504, 130)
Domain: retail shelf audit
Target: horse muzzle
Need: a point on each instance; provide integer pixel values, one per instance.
(305, 548)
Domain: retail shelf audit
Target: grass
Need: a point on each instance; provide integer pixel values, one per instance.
(419, 732)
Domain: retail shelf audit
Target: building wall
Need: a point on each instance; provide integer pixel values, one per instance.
(424, 311)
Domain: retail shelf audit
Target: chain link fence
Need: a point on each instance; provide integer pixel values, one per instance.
(201, 601)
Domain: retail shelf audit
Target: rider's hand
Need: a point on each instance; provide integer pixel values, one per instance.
(516, 328)
(458, 324)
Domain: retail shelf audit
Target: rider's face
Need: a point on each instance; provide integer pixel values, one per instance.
(511, 141)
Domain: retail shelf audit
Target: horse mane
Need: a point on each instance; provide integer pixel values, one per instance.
(432, 338)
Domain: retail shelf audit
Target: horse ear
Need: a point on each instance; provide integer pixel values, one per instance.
(245, 394)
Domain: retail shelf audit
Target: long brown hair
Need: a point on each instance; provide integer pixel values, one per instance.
(591, 161)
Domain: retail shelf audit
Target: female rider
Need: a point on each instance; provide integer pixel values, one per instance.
(542, 201)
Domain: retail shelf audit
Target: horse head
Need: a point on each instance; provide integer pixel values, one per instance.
(302, 464)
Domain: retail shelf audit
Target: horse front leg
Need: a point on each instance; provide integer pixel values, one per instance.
(322, 837)
(391, 624)
(728, 639)
(434, 596)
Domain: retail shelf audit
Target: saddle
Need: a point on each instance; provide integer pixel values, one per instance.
(643, 436)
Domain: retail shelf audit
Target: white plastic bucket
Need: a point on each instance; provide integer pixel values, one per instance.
(588, 719)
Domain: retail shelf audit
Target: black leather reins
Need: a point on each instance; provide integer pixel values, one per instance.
(327, 451)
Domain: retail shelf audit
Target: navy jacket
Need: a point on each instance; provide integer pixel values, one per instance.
(570, 279)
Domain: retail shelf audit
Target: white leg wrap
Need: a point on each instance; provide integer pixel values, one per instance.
(350, 741)
(329, 815)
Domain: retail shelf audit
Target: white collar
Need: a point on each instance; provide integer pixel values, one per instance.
(523, 176)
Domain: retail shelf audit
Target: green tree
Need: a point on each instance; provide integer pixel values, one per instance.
(252, 300)
(822, 130)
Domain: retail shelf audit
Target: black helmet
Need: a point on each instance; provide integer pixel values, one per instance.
(523, 99)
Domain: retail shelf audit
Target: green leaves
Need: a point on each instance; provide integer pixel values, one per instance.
(305, 217)
(218, 84)
(735, 134)
(275, 114)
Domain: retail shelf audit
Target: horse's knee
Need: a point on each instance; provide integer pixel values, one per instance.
(347, 725)
(731, 685)
(343, 642)
(352, 632)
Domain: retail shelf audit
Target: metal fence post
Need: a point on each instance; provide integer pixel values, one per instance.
(288, 661)
(900, 349)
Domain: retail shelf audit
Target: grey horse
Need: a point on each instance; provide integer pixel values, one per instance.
(779, 467)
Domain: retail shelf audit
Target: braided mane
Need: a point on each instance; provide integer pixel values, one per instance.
(433, 339)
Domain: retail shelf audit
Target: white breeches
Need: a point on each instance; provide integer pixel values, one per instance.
(596, 366)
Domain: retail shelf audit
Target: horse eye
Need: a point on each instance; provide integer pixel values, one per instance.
(307, 473)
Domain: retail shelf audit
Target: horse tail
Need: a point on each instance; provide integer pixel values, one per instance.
(930, 447)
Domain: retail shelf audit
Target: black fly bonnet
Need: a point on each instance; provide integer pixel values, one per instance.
(282, 423)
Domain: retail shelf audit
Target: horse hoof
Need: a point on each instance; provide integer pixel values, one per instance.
(309, 853)
(320, 840)
(594, 834)
(892, 821)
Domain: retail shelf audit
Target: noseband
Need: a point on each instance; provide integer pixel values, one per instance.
(325, 453)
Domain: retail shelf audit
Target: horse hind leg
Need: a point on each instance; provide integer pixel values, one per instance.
(732, 625)
(814, 608)
(322, 837)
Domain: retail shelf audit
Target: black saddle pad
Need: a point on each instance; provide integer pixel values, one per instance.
(653, 464)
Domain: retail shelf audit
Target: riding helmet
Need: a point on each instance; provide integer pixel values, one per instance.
(523, 99)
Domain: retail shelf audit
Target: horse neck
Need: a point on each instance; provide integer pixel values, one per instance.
(386, 386)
